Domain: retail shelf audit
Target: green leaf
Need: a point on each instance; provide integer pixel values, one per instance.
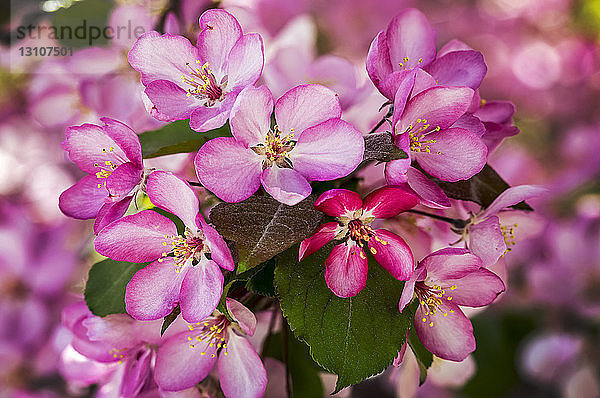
(169, 319)
(81, 25)
(483, 188)
(424, 357)
(304, 372)
(261, 227)
(262, 282)
(105, 288)
(354, 337)
(177, 137)
(380, 146)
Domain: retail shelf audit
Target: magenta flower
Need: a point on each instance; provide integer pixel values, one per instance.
(181, 271)
(490, 240)
(118, 338)
(112, 156)
(346, 267)
(188, 357)
(200, 83)
(309, 143)
(407, 48)
(442, 281)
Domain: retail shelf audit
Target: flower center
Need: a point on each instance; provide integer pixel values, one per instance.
(508, 232)
(105, 169)
(189, 246)
(404, 63)
(361, 234)
(416, 133)
(204, 85)
(431, 299)
(213, 331)
(276, 148)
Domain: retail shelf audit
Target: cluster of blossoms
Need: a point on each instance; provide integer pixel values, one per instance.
(290, 146)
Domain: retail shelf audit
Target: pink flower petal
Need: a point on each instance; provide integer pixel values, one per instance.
(439, 106)
(456, 154)
(325, 233)
(126, 138)
(179, 366)
(123, 179)
(110, 212)
(430, 194)
(84, 199)
(409, 288)
(486, 240)
(410, 35)
(285, 185)
(476, 289)
(171, 100)
(162, 57)
(205, 118)
(306, 106)
(250, 117)
(174, 195)
(512, 196)
(471, 123)
(228, 169)
(219, 31)
(459, 68)
(241, 371)
(153, 291)
(242, 315)
(90, 148)
(137, 238)
(449, 263)
(423, 81)
(245, 62)
(339, 202)
(378, 59)
(447, 336)
(395, 171)
(393, 254)
(388, 202)
(201, 291)
(138, 371)
(346, 270)
(219, 251)
(401, 91)
(329, 150)
(402, 81)
(496, 112)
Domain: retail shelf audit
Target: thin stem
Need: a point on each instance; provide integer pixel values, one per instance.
(457, 223)
(379, 124)
(194, 184)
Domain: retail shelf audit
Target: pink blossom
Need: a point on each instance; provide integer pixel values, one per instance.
(180, 272)
(112, 156)
(188, 357)
(442, 281)
(200, 83)
(407, 47)
(488, 238)
(309, 143)
(346, 267)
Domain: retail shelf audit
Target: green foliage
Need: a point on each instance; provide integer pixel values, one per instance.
(177, 137)
(304, 372)
(263, 281)
(261, 227)
(169, 319)
(81, 25)
(424, 357)
(354, 337)
(105, 288)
